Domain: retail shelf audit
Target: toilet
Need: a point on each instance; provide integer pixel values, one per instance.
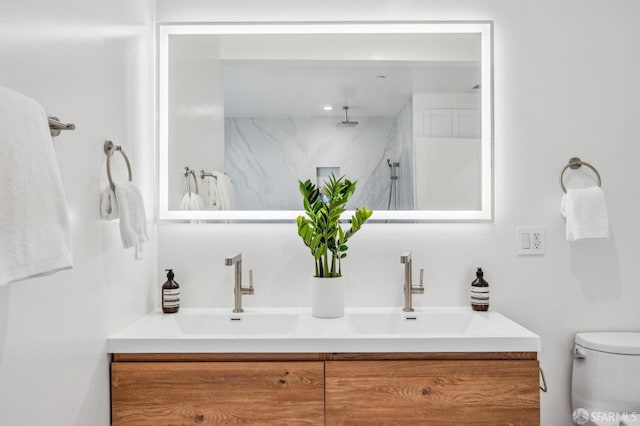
(605, 380)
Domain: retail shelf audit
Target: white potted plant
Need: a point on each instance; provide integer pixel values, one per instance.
(321, 231)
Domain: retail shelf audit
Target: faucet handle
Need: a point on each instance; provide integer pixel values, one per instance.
(420, 288)
(248, 290)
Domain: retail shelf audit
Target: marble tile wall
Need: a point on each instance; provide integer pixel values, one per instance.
(404, 142)
(265, 158)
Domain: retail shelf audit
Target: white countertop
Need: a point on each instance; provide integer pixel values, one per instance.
(290, 330)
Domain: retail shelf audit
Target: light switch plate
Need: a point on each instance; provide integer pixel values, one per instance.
(530, 240)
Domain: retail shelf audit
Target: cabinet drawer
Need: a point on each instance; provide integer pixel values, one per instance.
(176, 393)
(432, 392)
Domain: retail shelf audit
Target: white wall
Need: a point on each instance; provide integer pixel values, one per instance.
(88, 63)
(565, 84)
(196, 115)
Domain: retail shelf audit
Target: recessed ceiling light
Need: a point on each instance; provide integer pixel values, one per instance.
(381, 77)
(327, 108)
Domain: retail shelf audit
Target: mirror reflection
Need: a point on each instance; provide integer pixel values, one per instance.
(248, 115)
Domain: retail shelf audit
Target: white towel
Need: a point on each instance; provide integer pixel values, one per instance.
(133, 219)
(225, 191)
(586, 214)
(212, 201)
(35, 234)
(108, 204)
(192, 201)
(126, 204)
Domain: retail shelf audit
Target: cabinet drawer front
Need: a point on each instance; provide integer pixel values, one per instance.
(432, 392)
(159, 393)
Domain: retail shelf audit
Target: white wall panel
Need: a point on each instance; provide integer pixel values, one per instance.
(89, 63)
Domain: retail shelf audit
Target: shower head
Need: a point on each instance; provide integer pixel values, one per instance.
(346, 122)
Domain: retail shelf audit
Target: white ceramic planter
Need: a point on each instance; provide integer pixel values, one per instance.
(327, 297)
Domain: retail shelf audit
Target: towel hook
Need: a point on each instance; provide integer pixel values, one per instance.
(576, 163)
(109, 149)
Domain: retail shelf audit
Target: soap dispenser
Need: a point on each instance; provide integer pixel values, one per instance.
(170, 294)
(479, 292)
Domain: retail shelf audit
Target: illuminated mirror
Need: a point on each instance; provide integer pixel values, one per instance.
(245, 110)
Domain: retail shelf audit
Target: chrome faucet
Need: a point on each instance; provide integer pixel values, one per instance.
(409, 288)
(238, 290)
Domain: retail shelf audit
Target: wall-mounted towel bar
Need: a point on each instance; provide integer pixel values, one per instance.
(203, 175)
(576, 163)
(109, 149)
(189, 172)
(55, 126)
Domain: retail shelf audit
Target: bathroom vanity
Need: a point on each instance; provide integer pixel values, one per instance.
(282, 366)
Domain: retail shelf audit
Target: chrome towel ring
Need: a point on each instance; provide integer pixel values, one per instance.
(576, 163)
(109, 149)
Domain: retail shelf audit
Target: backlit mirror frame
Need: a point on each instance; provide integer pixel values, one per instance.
(483, 28)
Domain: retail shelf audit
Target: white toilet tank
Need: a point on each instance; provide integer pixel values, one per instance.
(605, 383)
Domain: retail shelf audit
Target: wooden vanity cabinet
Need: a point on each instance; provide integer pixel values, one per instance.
(326, 389)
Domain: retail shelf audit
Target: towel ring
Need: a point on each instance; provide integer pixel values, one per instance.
(109, 149)
(188, 172)
(575, 163)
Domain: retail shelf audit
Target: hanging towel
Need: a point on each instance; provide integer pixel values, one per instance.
(133, 219)
(586, 214)
(35, 234)
(127, 206)
(212, 201)
(225, 191)
(192, 201)
(108, 204)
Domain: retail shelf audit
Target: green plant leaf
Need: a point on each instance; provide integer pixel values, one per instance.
(315, 241)
(320, 227)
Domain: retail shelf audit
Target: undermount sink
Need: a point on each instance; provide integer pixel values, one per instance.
(237, 324)
(411, 322)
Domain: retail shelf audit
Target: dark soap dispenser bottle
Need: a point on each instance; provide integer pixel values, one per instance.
(170, 294)
(479, 292)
